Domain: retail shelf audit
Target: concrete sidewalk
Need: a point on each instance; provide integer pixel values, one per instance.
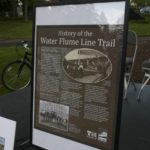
(12, 42)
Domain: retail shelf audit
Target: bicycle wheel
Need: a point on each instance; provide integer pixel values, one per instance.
(16, 75)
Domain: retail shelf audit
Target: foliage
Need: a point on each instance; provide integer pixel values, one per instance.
(4, 6)
(141, 2)
(10, 6)
(30, 3)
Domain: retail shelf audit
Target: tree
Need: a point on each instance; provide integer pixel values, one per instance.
(141, 2)
(13, 7)
(8, 6)
(25, 4)
(27, 7)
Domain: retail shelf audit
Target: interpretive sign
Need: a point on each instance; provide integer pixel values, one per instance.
(7, 134)
(77, 73)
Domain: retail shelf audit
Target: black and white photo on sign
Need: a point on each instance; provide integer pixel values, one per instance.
(87, 65)
(2, 143)
(54, 115)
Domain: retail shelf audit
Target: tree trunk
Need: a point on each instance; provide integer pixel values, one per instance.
(13, 10)
(25, 3)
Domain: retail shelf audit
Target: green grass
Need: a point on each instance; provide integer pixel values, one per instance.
(141, 27)
(15, 29)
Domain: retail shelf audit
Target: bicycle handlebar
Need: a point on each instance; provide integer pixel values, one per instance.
(25, 45)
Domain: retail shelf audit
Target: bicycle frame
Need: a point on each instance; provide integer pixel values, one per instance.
(26, 59)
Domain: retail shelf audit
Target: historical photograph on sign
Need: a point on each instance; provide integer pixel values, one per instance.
(54, 115)
(87, 65)
(2, 143)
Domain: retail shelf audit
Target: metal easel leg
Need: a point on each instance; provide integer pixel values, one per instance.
(143, 85)
(133, 83)
(125, 88)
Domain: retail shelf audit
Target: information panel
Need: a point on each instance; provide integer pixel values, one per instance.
(77, 65)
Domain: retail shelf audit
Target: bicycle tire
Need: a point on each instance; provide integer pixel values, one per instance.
(14, 81)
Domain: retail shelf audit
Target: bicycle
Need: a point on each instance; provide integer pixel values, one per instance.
(17, 74)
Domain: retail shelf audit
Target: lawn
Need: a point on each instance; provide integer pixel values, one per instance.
(141, 27)
(15, 29)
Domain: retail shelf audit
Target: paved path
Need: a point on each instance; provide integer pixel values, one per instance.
(12, 42)
(142, 40)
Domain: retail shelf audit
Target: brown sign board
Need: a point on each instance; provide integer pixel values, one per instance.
(78, 66)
